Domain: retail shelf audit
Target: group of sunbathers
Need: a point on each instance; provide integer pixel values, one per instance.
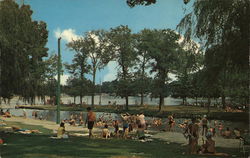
(6, 113)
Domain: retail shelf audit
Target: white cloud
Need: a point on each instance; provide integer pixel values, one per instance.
(68, 34)
(63, 79)
(112, 71)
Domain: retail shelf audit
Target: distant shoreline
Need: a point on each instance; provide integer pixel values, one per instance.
(152, 111)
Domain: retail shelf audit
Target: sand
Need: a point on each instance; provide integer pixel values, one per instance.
(47, 124)
(169, 137)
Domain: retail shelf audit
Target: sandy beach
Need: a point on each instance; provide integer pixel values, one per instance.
(169, 137)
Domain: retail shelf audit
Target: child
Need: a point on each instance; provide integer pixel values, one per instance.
(116, 126)
(171, 122)
(61, 130)
(7, 114)
(227, 133)
(209, 146)
(140, 132)
(237, 133)
(220, 128)
(105, 132)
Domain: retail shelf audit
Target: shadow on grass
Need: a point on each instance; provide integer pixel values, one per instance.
(35, 146)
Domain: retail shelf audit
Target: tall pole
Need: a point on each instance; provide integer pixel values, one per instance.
(100, 99)
(58, 98)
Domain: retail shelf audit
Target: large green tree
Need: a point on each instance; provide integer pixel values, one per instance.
(121, 42)
(142, 67)
(164, 50)
(80, 66)
(22, 48)
(75, 85)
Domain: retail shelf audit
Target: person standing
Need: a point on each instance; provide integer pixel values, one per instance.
(171, 122)
(90, 119)
(204, 123)
(125, 124)
(193, 133)
(142, 121)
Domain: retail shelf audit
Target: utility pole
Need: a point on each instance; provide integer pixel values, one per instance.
(58, 98)
(100, 99)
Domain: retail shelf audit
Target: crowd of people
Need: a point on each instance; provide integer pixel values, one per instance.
(133, 126)
(202, 128)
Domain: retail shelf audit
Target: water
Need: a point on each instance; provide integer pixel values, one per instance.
(50, 115)
(105, 99)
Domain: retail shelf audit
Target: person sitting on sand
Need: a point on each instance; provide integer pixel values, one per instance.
(7, 114)
(140, 132)
(209, 146)
(237, 133)
(184, 125)
(220, 127)
(157, 122)
(72, 121)
(80, 120)
(61, 130)
(105, 132)
(227, 133)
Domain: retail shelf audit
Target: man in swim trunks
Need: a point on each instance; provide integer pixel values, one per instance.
(90, 119)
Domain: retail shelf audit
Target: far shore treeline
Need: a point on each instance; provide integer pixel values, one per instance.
(208, 57)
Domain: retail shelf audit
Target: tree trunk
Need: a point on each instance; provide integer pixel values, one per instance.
(142, 98)
(161, 102)
(81, 99)
(183, 101)
(223, 101)
(126, 106)
(196, 101)
(93, 93)
(74, 99)
(208, 104)
(34, 100)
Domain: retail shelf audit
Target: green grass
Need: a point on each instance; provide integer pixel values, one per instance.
(36, 146)
(41, 146)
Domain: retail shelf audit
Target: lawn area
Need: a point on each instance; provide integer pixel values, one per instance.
(40, 145)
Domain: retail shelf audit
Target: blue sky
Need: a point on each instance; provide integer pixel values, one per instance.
(72, 18)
